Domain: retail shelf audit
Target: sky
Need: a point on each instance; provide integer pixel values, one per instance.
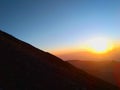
(60, 24)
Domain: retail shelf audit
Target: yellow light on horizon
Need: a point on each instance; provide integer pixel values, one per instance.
(99, 45)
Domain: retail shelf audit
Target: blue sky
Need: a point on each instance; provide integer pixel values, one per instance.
(53, 24)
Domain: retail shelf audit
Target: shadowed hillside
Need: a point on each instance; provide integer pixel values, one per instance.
(24, 67)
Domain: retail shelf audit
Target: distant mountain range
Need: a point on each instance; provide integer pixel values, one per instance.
(105, 70)
(24, 67)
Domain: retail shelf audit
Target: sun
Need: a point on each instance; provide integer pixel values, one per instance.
(99, 45)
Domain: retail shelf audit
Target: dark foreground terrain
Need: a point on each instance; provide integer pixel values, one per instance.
(24, 67)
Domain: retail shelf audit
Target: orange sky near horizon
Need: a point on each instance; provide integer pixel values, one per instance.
(78, 53)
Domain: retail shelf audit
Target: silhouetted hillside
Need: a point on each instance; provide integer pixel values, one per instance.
(24, 67)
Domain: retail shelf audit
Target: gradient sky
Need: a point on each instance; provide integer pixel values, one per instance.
(56, 24)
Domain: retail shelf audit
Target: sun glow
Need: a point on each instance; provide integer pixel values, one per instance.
(99, 45)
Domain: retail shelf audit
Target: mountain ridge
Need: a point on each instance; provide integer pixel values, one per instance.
(23, 66)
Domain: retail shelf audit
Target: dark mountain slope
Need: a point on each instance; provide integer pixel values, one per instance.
(24, 67)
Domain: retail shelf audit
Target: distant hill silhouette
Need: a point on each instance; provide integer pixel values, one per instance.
(102, 69)
(24, 67)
